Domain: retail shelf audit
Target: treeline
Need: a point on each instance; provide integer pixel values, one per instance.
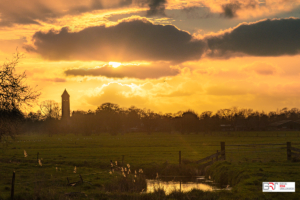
(113, 119)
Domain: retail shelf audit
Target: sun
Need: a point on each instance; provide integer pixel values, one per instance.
(114, 64)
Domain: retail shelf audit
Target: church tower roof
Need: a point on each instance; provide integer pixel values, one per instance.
(65, 94)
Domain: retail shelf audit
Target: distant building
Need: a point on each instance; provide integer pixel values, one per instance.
(65, 105)
(285, 125)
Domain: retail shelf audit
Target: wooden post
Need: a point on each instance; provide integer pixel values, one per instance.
(217, 155)
(179, 157)
(81, 178)
(12, 187)
(223, 150)
(68, 180)
(122, 159)
(288, 149)
(37, 157)
(180, 186)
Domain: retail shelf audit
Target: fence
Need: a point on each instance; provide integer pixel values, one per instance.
(222, 154)
(290, 153)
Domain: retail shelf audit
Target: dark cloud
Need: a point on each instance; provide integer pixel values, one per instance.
(156, 7)
(263, 38)
(230, 9)
(133, 40)
(130, 71)
(33, 11)
(140, 40)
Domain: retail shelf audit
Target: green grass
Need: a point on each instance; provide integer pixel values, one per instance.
(246, 178)
(92, 154)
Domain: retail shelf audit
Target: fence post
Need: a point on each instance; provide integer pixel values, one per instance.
(37, 157)
(179, 157)
(180, 186)
(288, 149)
(223, 150)
(81, 178)
(12, 186)
(217, 155)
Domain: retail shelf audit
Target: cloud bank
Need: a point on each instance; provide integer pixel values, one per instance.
(133, 40)
(141, 40)
(152, 71)
(263, 38)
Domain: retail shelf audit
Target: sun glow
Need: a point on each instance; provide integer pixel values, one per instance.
(114, 64)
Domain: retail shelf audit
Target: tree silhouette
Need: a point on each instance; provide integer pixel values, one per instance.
(14, 95)
(108, 114)
(50, 109)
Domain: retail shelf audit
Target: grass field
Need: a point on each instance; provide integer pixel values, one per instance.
(92, 154)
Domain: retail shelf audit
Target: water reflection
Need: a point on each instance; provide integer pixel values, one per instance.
(178, 185)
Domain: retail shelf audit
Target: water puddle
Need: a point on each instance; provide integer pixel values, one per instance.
(182, 184)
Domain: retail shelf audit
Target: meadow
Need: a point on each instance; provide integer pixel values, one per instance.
(91, 155)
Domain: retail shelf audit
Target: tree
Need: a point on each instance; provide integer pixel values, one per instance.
(14, 93)
(50, 109)
(109, 115)
(14, 96)
(190, 122)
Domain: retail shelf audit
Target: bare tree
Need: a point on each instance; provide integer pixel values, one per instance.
(14, 96)
(14, 93)
(50, 109)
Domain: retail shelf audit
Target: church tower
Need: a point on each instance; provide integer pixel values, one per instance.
(65, 105)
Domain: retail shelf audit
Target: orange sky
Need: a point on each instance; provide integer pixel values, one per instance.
(174, 55)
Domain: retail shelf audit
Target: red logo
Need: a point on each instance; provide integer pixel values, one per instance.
(272, 185)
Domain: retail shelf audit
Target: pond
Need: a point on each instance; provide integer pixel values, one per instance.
(183, 184)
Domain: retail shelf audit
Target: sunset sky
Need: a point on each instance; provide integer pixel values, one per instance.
(158, 54)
